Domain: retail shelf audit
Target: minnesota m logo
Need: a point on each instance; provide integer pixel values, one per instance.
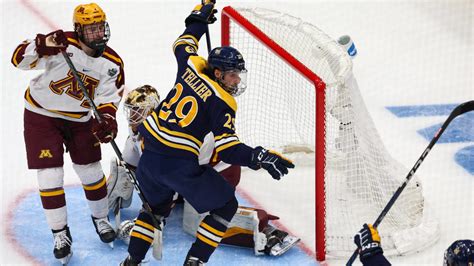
(45, 154)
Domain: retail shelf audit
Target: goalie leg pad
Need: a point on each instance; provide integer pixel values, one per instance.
(118, 186)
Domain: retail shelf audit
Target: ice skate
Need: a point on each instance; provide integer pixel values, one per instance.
(124, 230)
(105, 230)
(62, 245)
(279, 242)
(193, 261)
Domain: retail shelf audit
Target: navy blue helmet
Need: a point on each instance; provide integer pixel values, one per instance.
(461, 252)
(226, 58)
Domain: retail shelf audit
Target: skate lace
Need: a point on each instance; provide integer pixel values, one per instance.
(61, 240)
(103, 226)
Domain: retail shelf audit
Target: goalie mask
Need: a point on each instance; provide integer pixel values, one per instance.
(139, 103)
(461, 252)
(230, 62)
(91, 26)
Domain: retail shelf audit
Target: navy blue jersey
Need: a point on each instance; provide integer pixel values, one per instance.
(195, 106)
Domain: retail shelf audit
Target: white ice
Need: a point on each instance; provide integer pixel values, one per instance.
(409, 53)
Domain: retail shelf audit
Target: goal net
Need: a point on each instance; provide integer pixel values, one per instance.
(303, 100)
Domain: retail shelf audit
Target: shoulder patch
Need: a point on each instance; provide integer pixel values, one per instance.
(112, 72)
(190, 50)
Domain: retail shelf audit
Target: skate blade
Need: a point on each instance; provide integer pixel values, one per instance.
(281, 248)
(111, 244)
(65, 260)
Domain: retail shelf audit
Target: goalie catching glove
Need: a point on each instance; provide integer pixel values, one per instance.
(276, 164)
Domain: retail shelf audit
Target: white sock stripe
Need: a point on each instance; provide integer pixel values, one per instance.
(209, 235)
(143, 231)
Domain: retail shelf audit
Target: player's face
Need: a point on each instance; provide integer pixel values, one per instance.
(233, 81)
(136, 115)
(231, 78)
(94, 32)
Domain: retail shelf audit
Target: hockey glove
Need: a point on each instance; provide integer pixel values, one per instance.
(276, 165)
(202, 14)
(368, 242)
(51, 43)
(106, 130)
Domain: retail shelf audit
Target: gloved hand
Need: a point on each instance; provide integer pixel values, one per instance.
(276, 165)
(107, 129)
(51, 43)
(368, 241)
(203, 14)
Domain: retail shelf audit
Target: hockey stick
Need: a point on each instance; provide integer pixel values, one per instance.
(97, 116)
(459, 110)
(208, 36)
(208, 40)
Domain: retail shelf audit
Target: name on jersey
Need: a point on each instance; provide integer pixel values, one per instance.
(195, 83)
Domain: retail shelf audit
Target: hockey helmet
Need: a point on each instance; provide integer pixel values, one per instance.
(461, 252)
(88, 14)
(228, 60)
(139, 103)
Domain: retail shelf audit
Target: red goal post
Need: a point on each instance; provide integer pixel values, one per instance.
(319, 87)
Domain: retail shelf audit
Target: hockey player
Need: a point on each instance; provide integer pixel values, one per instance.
(138, 104)
(57, 113)
(249, 228)
(200, 102)
(459, 253)
(368, 245)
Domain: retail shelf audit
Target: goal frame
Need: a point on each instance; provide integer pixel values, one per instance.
(229, 13)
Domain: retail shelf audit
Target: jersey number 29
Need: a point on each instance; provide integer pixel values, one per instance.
(185, 117)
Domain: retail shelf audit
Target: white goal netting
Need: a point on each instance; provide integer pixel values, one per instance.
(278, 110)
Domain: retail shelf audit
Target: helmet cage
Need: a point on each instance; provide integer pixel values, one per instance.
(234, 90)
(139, 104)
(87, 37)
(91, 15)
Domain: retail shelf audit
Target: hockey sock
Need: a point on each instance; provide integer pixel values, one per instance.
(211, 230)
(54, 205)
(96, 195)
(141, 237)
(95, 187)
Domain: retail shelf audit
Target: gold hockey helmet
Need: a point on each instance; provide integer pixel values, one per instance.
(139, 103)
(88, 14)
(91, 27)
